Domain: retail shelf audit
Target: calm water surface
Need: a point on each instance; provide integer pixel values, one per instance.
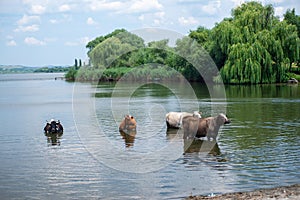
(259, 149)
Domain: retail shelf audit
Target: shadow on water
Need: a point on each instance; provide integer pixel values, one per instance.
(53, 139)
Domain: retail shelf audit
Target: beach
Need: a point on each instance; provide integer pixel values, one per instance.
(285, 192)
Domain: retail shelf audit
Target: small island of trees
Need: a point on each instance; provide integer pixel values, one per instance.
(253, 46)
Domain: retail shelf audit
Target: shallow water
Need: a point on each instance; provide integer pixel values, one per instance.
(259, 149)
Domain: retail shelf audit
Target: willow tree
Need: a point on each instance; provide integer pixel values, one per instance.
(255, 46)
(287, 35)
(194, 61)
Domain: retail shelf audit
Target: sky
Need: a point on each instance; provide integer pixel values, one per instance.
(55, 32)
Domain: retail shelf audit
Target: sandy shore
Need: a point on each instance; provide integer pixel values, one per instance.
(287, 192)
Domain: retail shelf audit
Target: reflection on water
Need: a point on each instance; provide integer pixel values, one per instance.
(53, 139)
(128, 137)
(260, 148)
(198, 145)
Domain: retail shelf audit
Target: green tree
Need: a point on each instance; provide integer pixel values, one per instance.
(287, 35)
(104, 54)
(291, 18)
(76, 64)
(192, 59)
(71, 74)
(92, 44)
(202, 36)
(254, 46)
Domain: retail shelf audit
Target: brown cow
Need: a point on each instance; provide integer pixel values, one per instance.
(127, 124)
(174, 119)
(203, 127)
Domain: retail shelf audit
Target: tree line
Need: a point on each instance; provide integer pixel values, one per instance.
(252, 46)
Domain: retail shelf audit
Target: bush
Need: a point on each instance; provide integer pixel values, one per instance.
(292, 75)
(71, 74)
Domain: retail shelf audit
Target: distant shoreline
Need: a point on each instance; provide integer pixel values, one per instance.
(291, 192)
(18, 69)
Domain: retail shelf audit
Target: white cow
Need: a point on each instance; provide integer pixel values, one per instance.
(174, 119)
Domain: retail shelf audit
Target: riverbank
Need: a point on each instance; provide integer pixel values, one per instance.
(285, 192)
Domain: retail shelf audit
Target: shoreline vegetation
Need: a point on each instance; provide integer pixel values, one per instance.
(253, 46)
(291, 192)
(18, 69)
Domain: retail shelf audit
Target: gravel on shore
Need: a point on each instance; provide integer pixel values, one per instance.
(291, 192)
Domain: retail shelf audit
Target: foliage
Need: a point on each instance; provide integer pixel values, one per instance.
(12, 69)
(291, 18)
(107, 52)
(201, 35)
(192, 60)
(151, 72)
(292, 75)
(92, 44)
(251, 47)
(51, 69)
(71, 74)
(254, 46)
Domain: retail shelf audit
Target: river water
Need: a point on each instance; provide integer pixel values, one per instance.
(91, 160)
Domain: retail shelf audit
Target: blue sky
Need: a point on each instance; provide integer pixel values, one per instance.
(55, 32)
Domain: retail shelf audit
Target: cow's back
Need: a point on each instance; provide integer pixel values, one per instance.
(173, 119)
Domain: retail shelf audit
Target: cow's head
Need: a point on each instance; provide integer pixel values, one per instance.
(130, 122)
(222, 119)
(53, 126)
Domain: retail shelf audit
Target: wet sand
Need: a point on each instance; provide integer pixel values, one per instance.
(283, 193)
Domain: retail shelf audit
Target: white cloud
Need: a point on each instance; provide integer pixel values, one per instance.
(273, 1)
(160, 14)
(63, 18)
(31, 28)
(64, 8)
(156, 22)
(84, 40)
(141, 17)
(38, 9)
(80, 41)
(32, 1)
(238, 2)
(71, 44)
(131, 6)
(158, 18)
(53, 21)
(48, 40)
(104, 5)
(212, 7)
(279, 11)
(11, 43)
(33, 41)
(90, 21)
(28, 19)
(144, 6)
(187, 21)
